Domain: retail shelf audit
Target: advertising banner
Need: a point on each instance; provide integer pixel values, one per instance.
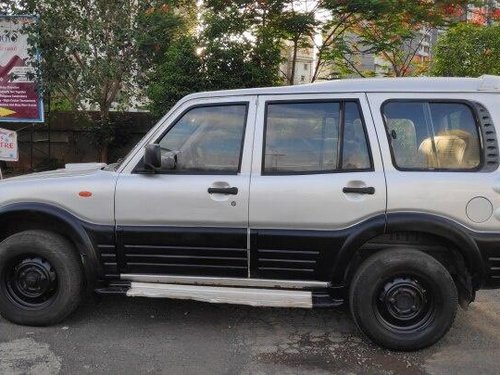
(8, 145)
(19, 99)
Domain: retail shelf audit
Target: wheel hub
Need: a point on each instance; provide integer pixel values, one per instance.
(31, 281)
(403, 301)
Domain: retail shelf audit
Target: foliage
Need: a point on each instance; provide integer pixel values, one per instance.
(239, 43)
(485, 12)
(177, 75)
(161, 23)
(297, 28)
(235, 30)
(336, 19)
(396, 31)
(96, 53)
(468, 50)
(242, 43)
(238, 47)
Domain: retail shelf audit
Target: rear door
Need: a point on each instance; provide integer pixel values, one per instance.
(317, 177)
(441, 155)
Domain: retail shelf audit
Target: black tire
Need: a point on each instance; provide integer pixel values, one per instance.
(41, 278)
(403, 299)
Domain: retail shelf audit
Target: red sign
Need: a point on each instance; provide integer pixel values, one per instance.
(19, 98)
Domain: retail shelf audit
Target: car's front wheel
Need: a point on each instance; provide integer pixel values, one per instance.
(403, 299)
(41, 279)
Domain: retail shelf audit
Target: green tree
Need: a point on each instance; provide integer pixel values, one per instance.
(97, 53)
(334, 21)
(395, 30)
(177, 75)
(298, 28)
(240, 45)
(329, 26)
(236, 48)
(468, 50)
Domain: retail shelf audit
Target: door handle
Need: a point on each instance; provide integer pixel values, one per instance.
(227, 191)
(370, 190)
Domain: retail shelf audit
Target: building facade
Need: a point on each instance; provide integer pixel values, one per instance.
(302, 72)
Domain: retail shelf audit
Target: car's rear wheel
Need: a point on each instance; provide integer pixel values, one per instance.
(41, 279)
(403, 299)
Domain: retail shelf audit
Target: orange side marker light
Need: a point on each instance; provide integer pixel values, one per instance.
(85, 194)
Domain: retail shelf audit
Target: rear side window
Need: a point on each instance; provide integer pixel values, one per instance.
(426, 135)
(314, 137)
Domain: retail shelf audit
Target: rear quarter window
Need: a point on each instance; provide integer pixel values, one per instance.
(433, 135)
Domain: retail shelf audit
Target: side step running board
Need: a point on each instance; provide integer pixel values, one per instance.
(217, 294)
(224, 281)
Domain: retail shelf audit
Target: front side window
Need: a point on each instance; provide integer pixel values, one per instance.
(314, 137)
(207, 139)
(426, 135)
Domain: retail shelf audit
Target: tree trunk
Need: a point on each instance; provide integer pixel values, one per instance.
(105, 133)
(104, 154)
(294, 61)
(317, 66)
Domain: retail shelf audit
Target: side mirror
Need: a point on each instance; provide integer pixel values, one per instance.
(152, 157)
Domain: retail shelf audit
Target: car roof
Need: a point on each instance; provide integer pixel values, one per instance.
(486, 83)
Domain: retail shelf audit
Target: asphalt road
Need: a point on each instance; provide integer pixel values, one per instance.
(120, 335)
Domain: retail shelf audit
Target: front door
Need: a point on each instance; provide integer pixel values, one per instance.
(317, 177)
(192, 219)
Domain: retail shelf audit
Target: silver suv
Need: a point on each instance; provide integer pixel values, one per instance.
(380, 193)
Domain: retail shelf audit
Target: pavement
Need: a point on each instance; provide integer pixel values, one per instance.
(120, 335)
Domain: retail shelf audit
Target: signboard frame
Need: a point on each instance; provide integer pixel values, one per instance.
(41, 113)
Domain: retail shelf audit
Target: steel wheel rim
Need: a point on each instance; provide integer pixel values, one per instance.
(30, 282)
(405, 303)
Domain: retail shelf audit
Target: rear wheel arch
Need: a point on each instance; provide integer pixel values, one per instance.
(21, 217)
(446, 234)
(353, 243)
(449, 231)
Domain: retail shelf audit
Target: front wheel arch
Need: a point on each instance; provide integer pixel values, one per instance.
(41, 278)
(20, 217)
